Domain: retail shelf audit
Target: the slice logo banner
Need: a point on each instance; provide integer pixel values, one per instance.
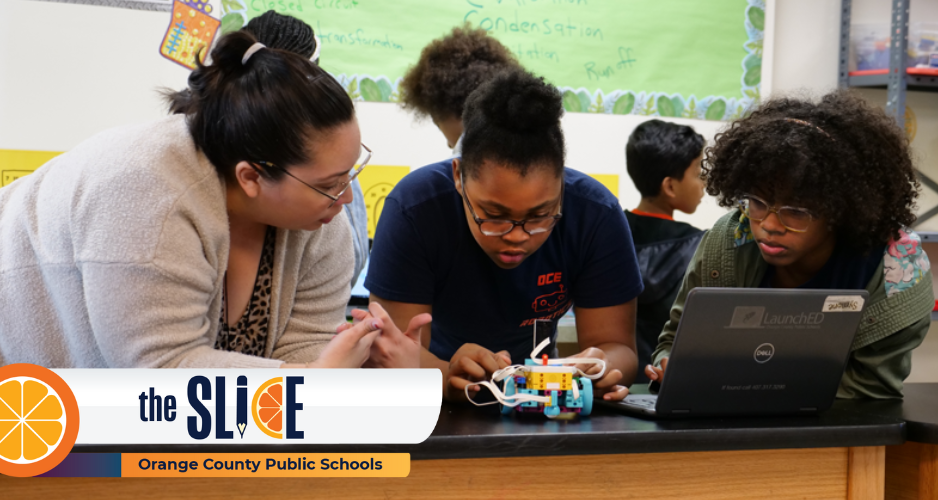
(236, 406)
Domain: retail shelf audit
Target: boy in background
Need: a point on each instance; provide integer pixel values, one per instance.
(663, 160)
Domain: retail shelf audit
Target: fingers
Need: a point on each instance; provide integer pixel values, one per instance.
(465, 366)
(460, 384)
(664, 364)
(616, 393)
(344, 326)
(489, 361)
(360, 331)
(360, 315)
(505, 356)
(416, 326)
(654, 373)
(610, 379)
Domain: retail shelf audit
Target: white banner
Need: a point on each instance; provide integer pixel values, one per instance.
(362, 406)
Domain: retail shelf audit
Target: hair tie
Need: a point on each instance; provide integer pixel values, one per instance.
(808, 124)
(250, 52)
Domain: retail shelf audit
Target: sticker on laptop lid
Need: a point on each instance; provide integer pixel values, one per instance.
(843, 303)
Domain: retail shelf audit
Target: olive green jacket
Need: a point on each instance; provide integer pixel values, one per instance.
(895, 320)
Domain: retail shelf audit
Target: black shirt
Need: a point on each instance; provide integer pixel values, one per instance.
(664, 249)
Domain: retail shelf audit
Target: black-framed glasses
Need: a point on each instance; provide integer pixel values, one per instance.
(341, 186)
(501, 227)
(795, 219)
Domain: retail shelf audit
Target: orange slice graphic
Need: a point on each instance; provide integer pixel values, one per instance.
(267, 408)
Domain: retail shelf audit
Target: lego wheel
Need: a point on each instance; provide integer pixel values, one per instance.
(586, 392)
(509, 390)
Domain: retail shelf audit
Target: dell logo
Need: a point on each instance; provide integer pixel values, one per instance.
(764, 353)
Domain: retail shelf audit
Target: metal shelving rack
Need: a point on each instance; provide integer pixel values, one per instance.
(897, 81)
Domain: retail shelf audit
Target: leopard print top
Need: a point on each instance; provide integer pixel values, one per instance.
(249, 335)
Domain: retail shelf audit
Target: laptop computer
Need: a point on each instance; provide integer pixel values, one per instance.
(745, 351)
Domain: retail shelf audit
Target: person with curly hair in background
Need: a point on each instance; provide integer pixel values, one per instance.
(825, 194)
(448, 70)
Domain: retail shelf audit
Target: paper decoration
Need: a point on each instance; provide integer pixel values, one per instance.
(191, 28)
(377, 181)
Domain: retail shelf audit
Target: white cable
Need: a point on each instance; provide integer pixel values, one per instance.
(518, 398)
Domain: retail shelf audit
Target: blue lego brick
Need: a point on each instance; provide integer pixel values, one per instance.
(528, 404)
(569, 402)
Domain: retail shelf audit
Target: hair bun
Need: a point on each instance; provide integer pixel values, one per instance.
(518, 101)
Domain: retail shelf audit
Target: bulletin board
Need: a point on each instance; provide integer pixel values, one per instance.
(679, 58)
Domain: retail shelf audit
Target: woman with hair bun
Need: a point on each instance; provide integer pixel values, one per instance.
(503, 236)
(212, 238)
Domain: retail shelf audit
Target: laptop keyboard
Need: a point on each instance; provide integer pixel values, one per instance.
(642, 400)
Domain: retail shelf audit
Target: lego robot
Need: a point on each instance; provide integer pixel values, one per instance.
(553, 387)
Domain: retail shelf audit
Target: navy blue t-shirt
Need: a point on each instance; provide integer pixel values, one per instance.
(424, 253)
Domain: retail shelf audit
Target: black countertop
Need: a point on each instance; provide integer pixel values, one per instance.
(919, 410)
(471, 432)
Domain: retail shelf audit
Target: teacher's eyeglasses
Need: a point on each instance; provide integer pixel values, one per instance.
(336, 191)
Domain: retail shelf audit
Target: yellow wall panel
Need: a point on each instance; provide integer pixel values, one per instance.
(611, 181)
(377, 181)
(16, 163)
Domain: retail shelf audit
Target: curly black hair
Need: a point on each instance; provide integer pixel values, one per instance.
(839, 157)
(514, 119)
(450, 68)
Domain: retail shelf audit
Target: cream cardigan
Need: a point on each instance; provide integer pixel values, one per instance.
(113, 255)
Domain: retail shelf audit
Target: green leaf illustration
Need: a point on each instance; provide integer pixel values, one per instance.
(353, 85)
(757, 18)
(753, 76)
(232, 5)
(755, 47)
(649, 108)
(665, 108)
(624, 104)
(386, 90)
(370, 90)
(585, 100)
(678, 104)
(716, 110)
(691, 110)
(571, 102)
(231, 22)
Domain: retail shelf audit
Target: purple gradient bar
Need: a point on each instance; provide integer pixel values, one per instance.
(87, 465)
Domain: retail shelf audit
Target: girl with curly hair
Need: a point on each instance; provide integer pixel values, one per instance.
(505, 235)
(824, 195)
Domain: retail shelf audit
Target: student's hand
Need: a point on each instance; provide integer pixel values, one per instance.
(608, 384)
(348, 349)
(472, 363)
(393, 348)
(657, 374)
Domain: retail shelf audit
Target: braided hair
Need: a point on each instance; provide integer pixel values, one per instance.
(278, 31)
(274, 30)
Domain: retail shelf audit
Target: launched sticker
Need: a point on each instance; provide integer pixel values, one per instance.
(843, 303)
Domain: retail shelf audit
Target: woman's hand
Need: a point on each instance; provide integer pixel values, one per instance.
(472, 363)
(608, 384)
(657, 374)
(393, 348)
(348, 349)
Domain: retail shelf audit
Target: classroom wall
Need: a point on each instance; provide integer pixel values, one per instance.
(68, 71)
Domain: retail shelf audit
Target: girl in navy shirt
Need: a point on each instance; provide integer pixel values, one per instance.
(501, 237)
